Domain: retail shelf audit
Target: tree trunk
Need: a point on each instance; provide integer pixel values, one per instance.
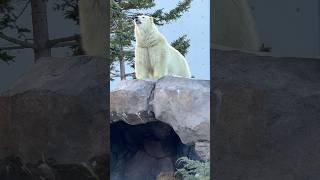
(121, 56)
(122, 65)
(40, 29)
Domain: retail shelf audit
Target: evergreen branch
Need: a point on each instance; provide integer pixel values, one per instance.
(16, 41)
(141, 4)
(4, 56)
(54, 42)
(161, 17)
(181, 44)
(3, 5)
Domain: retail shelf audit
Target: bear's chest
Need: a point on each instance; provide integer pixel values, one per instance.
(152, 55)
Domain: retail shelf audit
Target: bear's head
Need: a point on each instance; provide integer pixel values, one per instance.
(144, 23)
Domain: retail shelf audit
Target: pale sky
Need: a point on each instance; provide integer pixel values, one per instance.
(292, 29)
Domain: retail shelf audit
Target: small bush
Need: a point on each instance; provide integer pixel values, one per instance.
(193, 170)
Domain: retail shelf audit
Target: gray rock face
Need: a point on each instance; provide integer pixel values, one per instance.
(182, 103)
(182, 108)
(266, 117)
(57, 110)
(130, 102)
(185, 105)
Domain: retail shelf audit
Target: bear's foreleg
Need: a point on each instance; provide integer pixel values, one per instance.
(141, 71)
(159, 70)
(159, 57)
(142, 63)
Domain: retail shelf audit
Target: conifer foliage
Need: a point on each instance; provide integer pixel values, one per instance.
(122, 35)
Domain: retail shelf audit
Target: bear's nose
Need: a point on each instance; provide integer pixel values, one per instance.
(136, 18)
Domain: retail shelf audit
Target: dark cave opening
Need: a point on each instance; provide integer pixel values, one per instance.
(141, 152)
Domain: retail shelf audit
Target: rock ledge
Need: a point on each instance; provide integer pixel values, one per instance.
(182, 103)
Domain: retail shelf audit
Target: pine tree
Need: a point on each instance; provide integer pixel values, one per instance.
(121, 30)
(11, 11)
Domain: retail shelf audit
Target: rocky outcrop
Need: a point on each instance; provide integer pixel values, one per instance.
(161, 121)
(56, 110)
(15, 168)
(266, 117)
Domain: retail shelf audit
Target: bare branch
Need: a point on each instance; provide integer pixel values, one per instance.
(64, 44)
(12, 48)
(23, 10)
(54, 42)
(117, 75)
(16, 41)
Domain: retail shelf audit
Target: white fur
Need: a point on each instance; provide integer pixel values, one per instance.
(93, 26)
(233, 25)
(154, 56)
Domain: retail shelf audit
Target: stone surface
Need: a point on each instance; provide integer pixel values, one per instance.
(185, 105)
(57, 110)
(14, 168)
(129, 102)
(179, 102)
(266, 117)
(5, 136)
(156, 122)
(203, 149)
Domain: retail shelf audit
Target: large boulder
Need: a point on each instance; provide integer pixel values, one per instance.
(56, 110)
(185, 105)
(266, 117)
(180, 102)
(130, 102)
(154, 122)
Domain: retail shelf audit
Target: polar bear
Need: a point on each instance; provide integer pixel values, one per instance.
(93, 26)
(154, 56)
(233, 25)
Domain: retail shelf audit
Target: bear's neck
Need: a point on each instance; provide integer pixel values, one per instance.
(146, 39)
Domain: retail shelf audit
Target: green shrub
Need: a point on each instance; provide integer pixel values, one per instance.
(193, 170)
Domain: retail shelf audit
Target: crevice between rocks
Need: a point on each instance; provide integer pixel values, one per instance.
(150, 99)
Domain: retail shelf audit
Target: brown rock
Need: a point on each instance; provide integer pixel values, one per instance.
(181, 103)
(166, 176)
(57, 110)
(267, 117)
(5, 136)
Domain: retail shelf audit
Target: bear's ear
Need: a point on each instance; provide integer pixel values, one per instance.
(151, 18)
